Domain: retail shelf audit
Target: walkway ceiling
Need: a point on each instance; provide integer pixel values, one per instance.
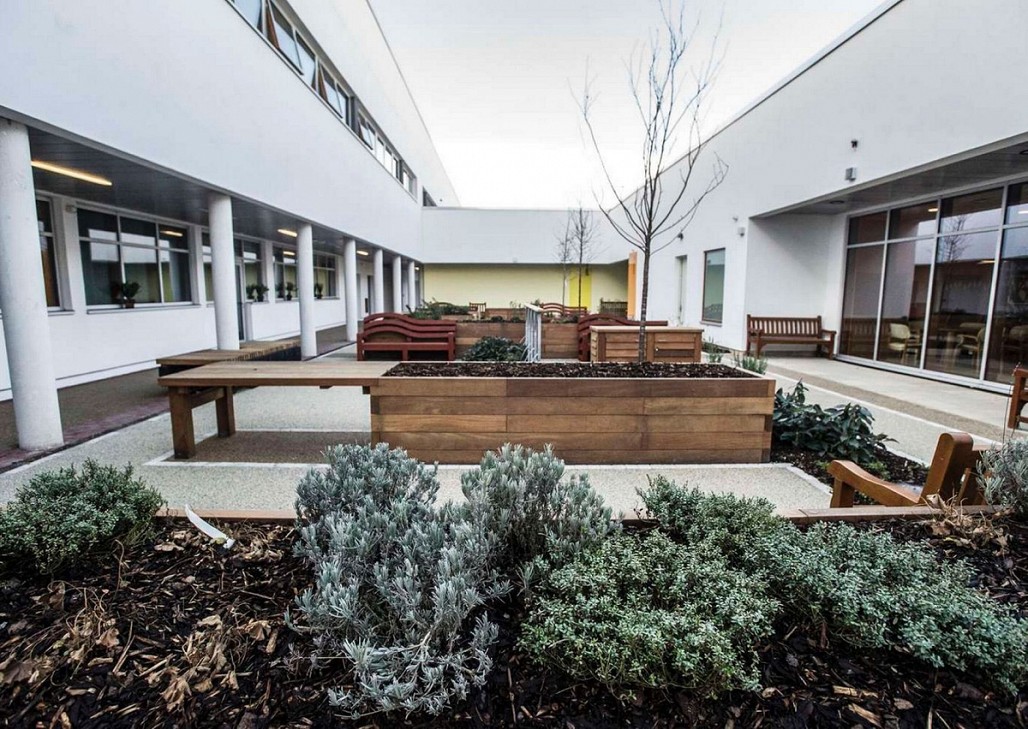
(153, 192)
(1010, 160)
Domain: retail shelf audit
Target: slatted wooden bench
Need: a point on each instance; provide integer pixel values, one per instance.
(603, 320)
(189, 389)
(764, 330)
(386, 332)
(554, 310)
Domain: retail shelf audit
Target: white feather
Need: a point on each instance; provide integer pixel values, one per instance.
(210, 530)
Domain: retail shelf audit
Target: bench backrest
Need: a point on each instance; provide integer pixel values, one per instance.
(604, 320)
(785, 326)
(954, 468)
(555, 309)
(388, 321)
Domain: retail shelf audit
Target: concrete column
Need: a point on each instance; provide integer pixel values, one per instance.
(195, 238)
(350, 288)
(305, 284)
(378, 279)
(412, 291)
(37, 413)
(398, 285)
(223, 270)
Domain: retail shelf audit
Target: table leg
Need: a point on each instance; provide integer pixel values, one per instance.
(182, 436)
(226, 411)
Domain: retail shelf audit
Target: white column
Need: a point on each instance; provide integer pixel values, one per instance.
(412, 291)
(378, 278)
(305, 282)
(223, 270)
(37, 413)
(350, 288)
(398, 285)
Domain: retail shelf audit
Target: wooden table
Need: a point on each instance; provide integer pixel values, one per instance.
(215, 382)
(251, 350)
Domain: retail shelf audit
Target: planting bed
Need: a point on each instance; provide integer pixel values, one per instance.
(590, 413)
(177, 633)
(897, 468)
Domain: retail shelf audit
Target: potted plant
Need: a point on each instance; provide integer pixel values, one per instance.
(124, 292)
(280, 292)
(251, 292)
(290, 288)
(261, 290)
(319, 290)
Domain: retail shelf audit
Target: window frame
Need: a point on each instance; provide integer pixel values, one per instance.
(703, 298)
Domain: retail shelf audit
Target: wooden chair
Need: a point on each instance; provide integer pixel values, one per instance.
(952, 474)
(476, 309)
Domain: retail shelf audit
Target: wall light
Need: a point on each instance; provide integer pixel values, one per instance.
(69, 172)
(286, 231)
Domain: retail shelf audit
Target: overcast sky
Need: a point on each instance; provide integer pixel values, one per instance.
(497, 82)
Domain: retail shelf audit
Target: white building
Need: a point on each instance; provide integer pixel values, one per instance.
(198, 147)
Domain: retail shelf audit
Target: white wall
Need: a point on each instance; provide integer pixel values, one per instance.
(190, 87)
(921, 84)
(476, 235)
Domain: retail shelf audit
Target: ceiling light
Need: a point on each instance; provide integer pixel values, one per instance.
(172, 233)
(986, 261)
(363, 253)
(836, 202)
(1022, 212)
(69, 172)
(933, 210)
(289, 254)
(286, 231)
(1024, 152)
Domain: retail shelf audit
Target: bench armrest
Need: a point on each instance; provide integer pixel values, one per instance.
(832, 332)
(849, 477)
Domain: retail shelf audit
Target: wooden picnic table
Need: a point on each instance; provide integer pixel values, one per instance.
(215, 382)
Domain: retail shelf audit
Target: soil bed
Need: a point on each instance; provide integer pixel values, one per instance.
(897, 468)
(612, 370)
(178, 633)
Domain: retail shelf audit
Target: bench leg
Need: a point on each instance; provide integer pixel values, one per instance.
(226, 411)
(842, 495)
(182, 436)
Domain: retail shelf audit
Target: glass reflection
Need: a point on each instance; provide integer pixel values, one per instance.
(914, 221)
(860, 301)
(970, 212)
(1008, 345)
(908, 268)
(960, 302)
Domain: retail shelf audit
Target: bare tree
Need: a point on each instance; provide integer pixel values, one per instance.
(670, 99)
(565, 254)
(583, 232)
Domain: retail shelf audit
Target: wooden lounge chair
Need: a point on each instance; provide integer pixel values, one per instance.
(952, 474)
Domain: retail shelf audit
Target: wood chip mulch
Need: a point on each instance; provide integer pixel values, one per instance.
(606, 370)
(178, 633)
(897, 468)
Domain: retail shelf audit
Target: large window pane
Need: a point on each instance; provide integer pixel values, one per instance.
(308, 66)
(175, 276)
(98, 226)
(1017, 204)
(251, 10)
(908, 268)
(170, 236)
(47, 253)
(868, 228)
(284, 36)
(970, 212)
(860, 301)
(1008, 344)
(141, 268)
(915, 221)
(140, 232)
(714, 286)
(960, 302)
(101, 271)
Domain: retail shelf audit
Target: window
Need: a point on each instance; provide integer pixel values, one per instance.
(44, 221)
(280, 33)
(325, 274)
(367, 133)
(714, 286)
(117, 249)
(252, 10)
(333, 93)
(248, 255)
(285, 273)
(408, 180)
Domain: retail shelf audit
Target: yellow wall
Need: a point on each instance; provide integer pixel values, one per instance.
(498, 285)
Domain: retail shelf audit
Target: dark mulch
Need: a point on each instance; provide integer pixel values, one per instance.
(178, 633)
(896, 468)
(564, 369)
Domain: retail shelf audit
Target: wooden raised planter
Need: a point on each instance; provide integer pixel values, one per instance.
(587, 420)
(560, 341)
(663, 344)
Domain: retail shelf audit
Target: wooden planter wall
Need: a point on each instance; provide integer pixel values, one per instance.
(663, 344)
(560, 341)
(454, 420)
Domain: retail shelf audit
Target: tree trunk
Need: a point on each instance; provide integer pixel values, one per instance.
(580, 277)
(642, 303)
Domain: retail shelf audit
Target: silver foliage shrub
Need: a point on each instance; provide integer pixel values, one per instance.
(400, 583)
(1004, 474)
(540, 518)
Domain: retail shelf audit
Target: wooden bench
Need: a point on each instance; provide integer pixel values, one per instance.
(274, 350)
(197, 386)
(764, 330)
(554, 310)
(387, 332)
(1018, 397)
(952, 475)
(603, 320)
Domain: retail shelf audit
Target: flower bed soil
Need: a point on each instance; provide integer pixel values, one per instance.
(178, 633)
(567, 369)
(897, 468)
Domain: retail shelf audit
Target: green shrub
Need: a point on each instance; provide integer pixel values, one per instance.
(714, 352)
(495, 349)
(646, 612)
(869, 590)
(400, 583)
(437, 309)
(749, 362)
(874, 592)
(1004, 475)
(539, 518)
(62, 518)
(843, 431)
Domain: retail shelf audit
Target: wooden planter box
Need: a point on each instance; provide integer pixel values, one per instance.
(560, 341)
(663, 344)
(597, 421)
